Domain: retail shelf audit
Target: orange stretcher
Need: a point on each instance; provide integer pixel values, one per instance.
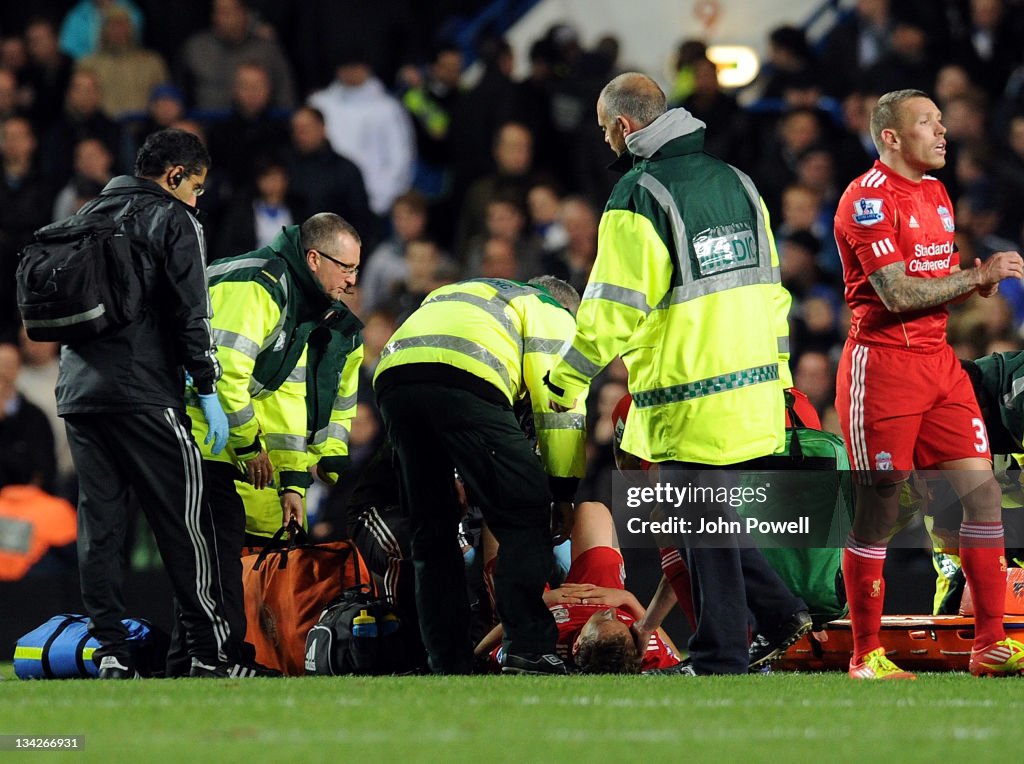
(914, 642)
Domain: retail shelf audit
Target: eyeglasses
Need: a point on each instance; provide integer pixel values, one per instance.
(199, 189)
(352, 270)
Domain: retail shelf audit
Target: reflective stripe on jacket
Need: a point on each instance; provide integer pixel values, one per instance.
(507, 334)
(686, 289)
(289, 355)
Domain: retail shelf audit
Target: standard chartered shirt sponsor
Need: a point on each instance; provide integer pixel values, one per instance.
(931, 250)
(945, 248)
(924, 266)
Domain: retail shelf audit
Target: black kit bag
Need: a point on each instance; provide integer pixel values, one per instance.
(358, 634)
(77, 279)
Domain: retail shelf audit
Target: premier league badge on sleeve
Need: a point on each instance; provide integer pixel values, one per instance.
(867, 211)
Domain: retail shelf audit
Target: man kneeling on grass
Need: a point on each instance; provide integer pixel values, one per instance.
(592, 608)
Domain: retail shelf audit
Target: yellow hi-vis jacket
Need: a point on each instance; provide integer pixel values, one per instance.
(267, 313)
(508, 334)
(686, 289)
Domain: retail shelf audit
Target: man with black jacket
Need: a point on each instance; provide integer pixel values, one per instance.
(122, 398)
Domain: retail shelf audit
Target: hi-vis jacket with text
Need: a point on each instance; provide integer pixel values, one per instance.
(508, 335)
(686, 289)
(290, 359)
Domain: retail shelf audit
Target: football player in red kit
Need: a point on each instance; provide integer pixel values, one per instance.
(902, 398)
(592, 608)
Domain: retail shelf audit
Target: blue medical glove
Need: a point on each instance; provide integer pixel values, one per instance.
(217, 421)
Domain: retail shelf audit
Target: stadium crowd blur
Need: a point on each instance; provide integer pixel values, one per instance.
(369, 110)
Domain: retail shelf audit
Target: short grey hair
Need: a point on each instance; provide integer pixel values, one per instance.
(636, 96)
(320, 231)
(562, 291)
(886, 114)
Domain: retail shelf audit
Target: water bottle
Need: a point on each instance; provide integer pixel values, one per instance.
(364, 625)
(389, 624)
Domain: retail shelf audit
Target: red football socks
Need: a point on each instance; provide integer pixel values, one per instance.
(865, 593)
(983, 556)
(674, 567)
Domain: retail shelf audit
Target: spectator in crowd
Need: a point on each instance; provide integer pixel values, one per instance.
(210, 58)
(218, 189)
(430, 97)
(513, 159)
(951, 81)
(14, 55)
(423, 262)
(369, 126)
(37, 380)
(386, 32)
(27, 457)
(93, 164)
(790, 60)
(906, 63)
(323, 180)
(720, 111)
(498, 260)
(83, 117)
(26, 202)
(544, 205)
(801, 208)
(127, 72)
(534, 98)
(816, 170)
(798, 262)
(258, 214)
(683, 58)
(987, 45)
(1008, 172)
(854, 148)
(82, 30)
(480, 112)
(797, 131)
(386, 267)
(856, 43)
(576, 258)
(252, 126)
(165, 106)
(704, 194)
(506, 219)
(815, 377)
(10, 105)
(966, 121)
(47, 75)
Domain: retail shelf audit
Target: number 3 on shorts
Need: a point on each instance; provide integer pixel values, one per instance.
(981, 446)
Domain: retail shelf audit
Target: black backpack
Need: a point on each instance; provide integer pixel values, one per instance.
(332, 649)
(77, 279)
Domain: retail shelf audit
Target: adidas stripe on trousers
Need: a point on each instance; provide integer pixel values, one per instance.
(150, 452)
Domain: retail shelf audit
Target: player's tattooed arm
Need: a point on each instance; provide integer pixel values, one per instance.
(901, 293)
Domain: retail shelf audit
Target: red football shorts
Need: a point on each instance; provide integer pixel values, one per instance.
(901, 409)
(599, 565)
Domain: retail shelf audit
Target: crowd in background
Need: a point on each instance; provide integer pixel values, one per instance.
(368, 110)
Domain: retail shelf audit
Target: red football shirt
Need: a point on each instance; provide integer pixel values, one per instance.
(885, 218)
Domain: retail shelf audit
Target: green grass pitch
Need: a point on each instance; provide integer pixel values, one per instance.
(780, 717)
